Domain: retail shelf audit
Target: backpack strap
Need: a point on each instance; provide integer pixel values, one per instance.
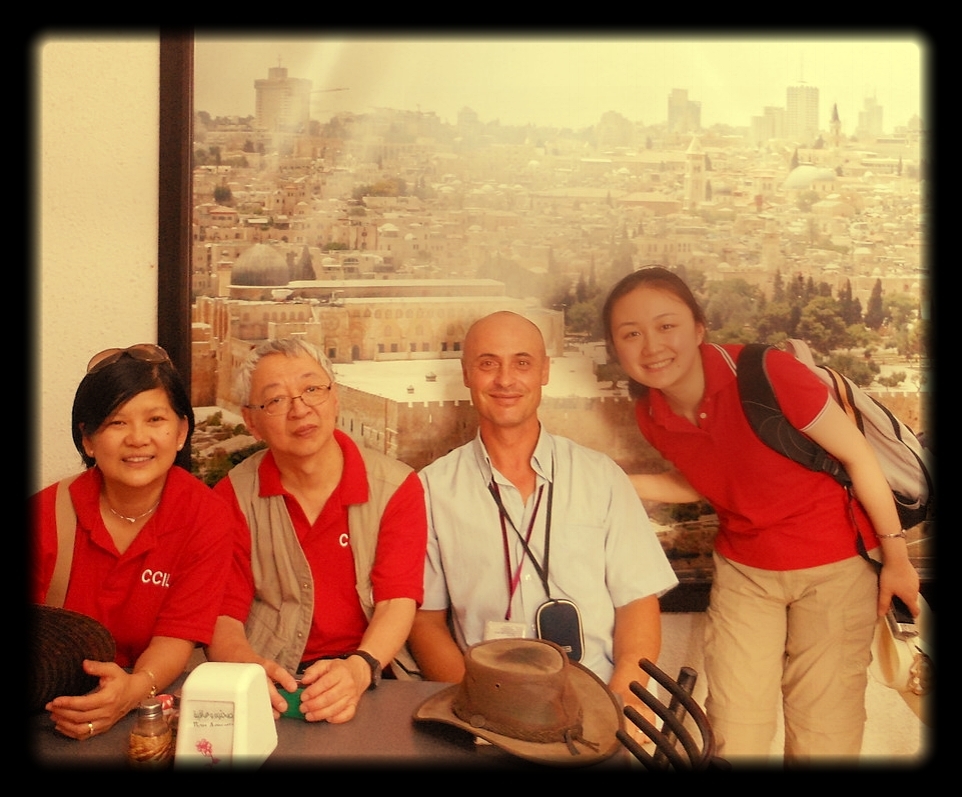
(774, 429)
(844, 397)
(66, 533)
(767, 420)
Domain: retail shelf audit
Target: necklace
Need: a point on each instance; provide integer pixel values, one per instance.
(135, 518)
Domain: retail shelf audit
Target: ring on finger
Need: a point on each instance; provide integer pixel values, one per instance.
(90, 729)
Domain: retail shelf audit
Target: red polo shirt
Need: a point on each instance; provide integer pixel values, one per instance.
(338, 622)
(773, 513)
(169, 582)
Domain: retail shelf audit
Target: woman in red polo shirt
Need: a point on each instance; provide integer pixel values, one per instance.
(793, 604)
(151, 544)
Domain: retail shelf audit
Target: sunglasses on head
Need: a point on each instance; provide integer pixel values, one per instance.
(146, 352)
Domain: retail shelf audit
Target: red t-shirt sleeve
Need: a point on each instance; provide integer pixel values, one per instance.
(801, 395)
(402, 541)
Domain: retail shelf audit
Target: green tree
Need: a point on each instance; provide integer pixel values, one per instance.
(774, 324)
(581, 289)
(822, 326)
(778, 287)
(584, 317)
(558, 293)
(610, 372)
(860, 370)
(731, 303)
(874, 315)
(223, 195)
(894, 379)
(900, 309)
(850, 309)
(860, 335)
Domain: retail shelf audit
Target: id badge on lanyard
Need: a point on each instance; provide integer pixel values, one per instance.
(557, 620)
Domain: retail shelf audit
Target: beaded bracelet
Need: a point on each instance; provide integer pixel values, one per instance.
(898, 536)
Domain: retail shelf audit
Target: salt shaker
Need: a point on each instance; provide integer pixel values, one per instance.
(151, 741)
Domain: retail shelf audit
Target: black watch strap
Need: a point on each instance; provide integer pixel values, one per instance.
(372, 662)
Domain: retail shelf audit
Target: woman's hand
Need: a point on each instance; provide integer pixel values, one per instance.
(898, 577)
(99, 710)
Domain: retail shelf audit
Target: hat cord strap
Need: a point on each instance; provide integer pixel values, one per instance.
(571, 736)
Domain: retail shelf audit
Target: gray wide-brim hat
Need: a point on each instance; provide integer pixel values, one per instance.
(526, 697)
(60, 640)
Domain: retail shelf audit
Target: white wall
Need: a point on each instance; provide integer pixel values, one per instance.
(96, 209)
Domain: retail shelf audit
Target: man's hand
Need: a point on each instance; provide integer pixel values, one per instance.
(626, 697)
(334, 688)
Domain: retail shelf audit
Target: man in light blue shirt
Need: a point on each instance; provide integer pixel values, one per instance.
(518, 518)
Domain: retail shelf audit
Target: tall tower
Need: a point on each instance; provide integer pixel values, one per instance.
(801, 114)
(836, 126)
(684, 115)
(694, 174)
(870, 119)
(282, 102)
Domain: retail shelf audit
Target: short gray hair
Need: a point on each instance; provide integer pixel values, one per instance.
(289, 347)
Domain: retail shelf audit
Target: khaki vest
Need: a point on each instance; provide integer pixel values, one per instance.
(280, 616)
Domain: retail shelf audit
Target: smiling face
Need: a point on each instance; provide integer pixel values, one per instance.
(505, 366)
(656, 339)
(302, 431)
(138, 443)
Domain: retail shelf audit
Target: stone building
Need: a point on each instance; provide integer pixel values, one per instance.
(351, 320)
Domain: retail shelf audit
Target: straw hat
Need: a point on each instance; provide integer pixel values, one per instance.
(526, 697)
(59, 642)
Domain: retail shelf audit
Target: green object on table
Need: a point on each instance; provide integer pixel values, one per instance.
(293, 703)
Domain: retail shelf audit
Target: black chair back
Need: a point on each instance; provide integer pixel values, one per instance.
(676, 748)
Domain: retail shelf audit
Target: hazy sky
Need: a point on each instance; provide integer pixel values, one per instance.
(570, 81)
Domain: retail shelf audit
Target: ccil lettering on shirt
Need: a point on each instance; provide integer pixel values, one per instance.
(158, 577)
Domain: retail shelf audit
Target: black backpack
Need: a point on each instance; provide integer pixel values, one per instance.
(904, 460)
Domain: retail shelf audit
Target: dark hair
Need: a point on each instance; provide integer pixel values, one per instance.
(103, 392)
(656, 277)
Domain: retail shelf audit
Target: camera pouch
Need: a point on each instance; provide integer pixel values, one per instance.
(559, 621)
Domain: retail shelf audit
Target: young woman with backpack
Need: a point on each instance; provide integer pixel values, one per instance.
(793, 605)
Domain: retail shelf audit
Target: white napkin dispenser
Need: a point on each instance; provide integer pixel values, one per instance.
(225, 718)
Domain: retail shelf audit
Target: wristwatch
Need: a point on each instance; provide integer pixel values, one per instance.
(372, 662)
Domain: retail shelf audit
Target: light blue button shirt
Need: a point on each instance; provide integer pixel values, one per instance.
(604, 552)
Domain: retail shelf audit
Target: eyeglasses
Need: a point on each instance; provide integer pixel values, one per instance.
(146, 352)
(313, 396)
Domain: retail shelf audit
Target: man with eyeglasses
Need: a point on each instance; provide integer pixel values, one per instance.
(329, 557)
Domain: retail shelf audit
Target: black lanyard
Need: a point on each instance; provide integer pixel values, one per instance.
(504, 516)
